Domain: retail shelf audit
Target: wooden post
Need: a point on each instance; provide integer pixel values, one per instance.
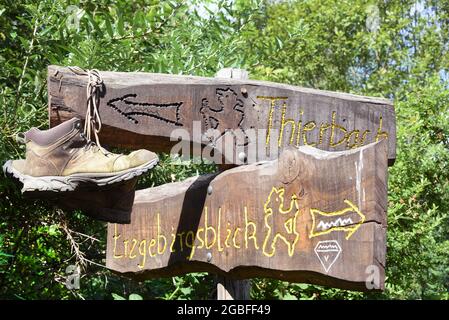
(228, 289)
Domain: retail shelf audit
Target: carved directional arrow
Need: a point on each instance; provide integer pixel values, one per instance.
(347, 220)
(130, 108)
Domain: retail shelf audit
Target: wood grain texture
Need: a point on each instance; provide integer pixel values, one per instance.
(227, 288)
(230, 289)
(142, 110)
(310, 216)
(111, 203)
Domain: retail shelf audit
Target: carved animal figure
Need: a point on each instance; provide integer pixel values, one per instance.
(280, 222)
(224, 114)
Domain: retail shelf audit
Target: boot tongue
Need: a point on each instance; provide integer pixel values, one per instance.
(47, 137)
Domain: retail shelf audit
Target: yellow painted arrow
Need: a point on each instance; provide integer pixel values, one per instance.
(342, 221)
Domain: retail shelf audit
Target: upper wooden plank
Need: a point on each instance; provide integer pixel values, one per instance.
(144, 109)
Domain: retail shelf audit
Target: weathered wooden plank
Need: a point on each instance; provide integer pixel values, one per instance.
(111, 203)
(309, 216)
(143, 110)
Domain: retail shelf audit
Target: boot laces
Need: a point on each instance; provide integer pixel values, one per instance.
(94, 146)
(92, 123)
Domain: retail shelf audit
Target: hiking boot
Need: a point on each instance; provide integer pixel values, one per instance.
(61, 158)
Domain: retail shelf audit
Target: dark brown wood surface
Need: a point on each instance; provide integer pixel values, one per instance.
(142, 110)
(310, 216)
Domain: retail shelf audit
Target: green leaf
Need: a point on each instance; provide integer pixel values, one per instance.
(107, 21)
(186, 291)
(120, 25)
(53, 230)
(93, 22)
(279, 43)
(289, 296)
(135, 296)
(303, 286)
(117, 297)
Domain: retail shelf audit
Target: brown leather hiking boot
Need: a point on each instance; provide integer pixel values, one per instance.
(61, 158)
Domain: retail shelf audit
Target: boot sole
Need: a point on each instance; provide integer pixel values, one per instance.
(71, 182)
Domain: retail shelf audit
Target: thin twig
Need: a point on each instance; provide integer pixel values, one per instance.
(85, 235)
(78, 254)
(75, 245)
(94, 263)
(173, 293)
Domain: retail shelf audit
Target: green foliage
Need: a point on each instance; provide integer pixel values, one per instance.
(396, 49)
(419, 195)
(132, 296)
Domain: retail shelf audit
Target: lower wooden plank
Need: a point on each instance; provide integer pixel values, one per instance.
(310, 216)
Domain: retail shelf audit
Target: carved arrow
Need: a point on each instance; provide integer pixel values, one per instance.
(128, 107)
(347, 220)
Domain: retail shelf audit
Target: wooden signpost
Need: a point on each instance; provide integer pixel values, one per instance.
(310, 207)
